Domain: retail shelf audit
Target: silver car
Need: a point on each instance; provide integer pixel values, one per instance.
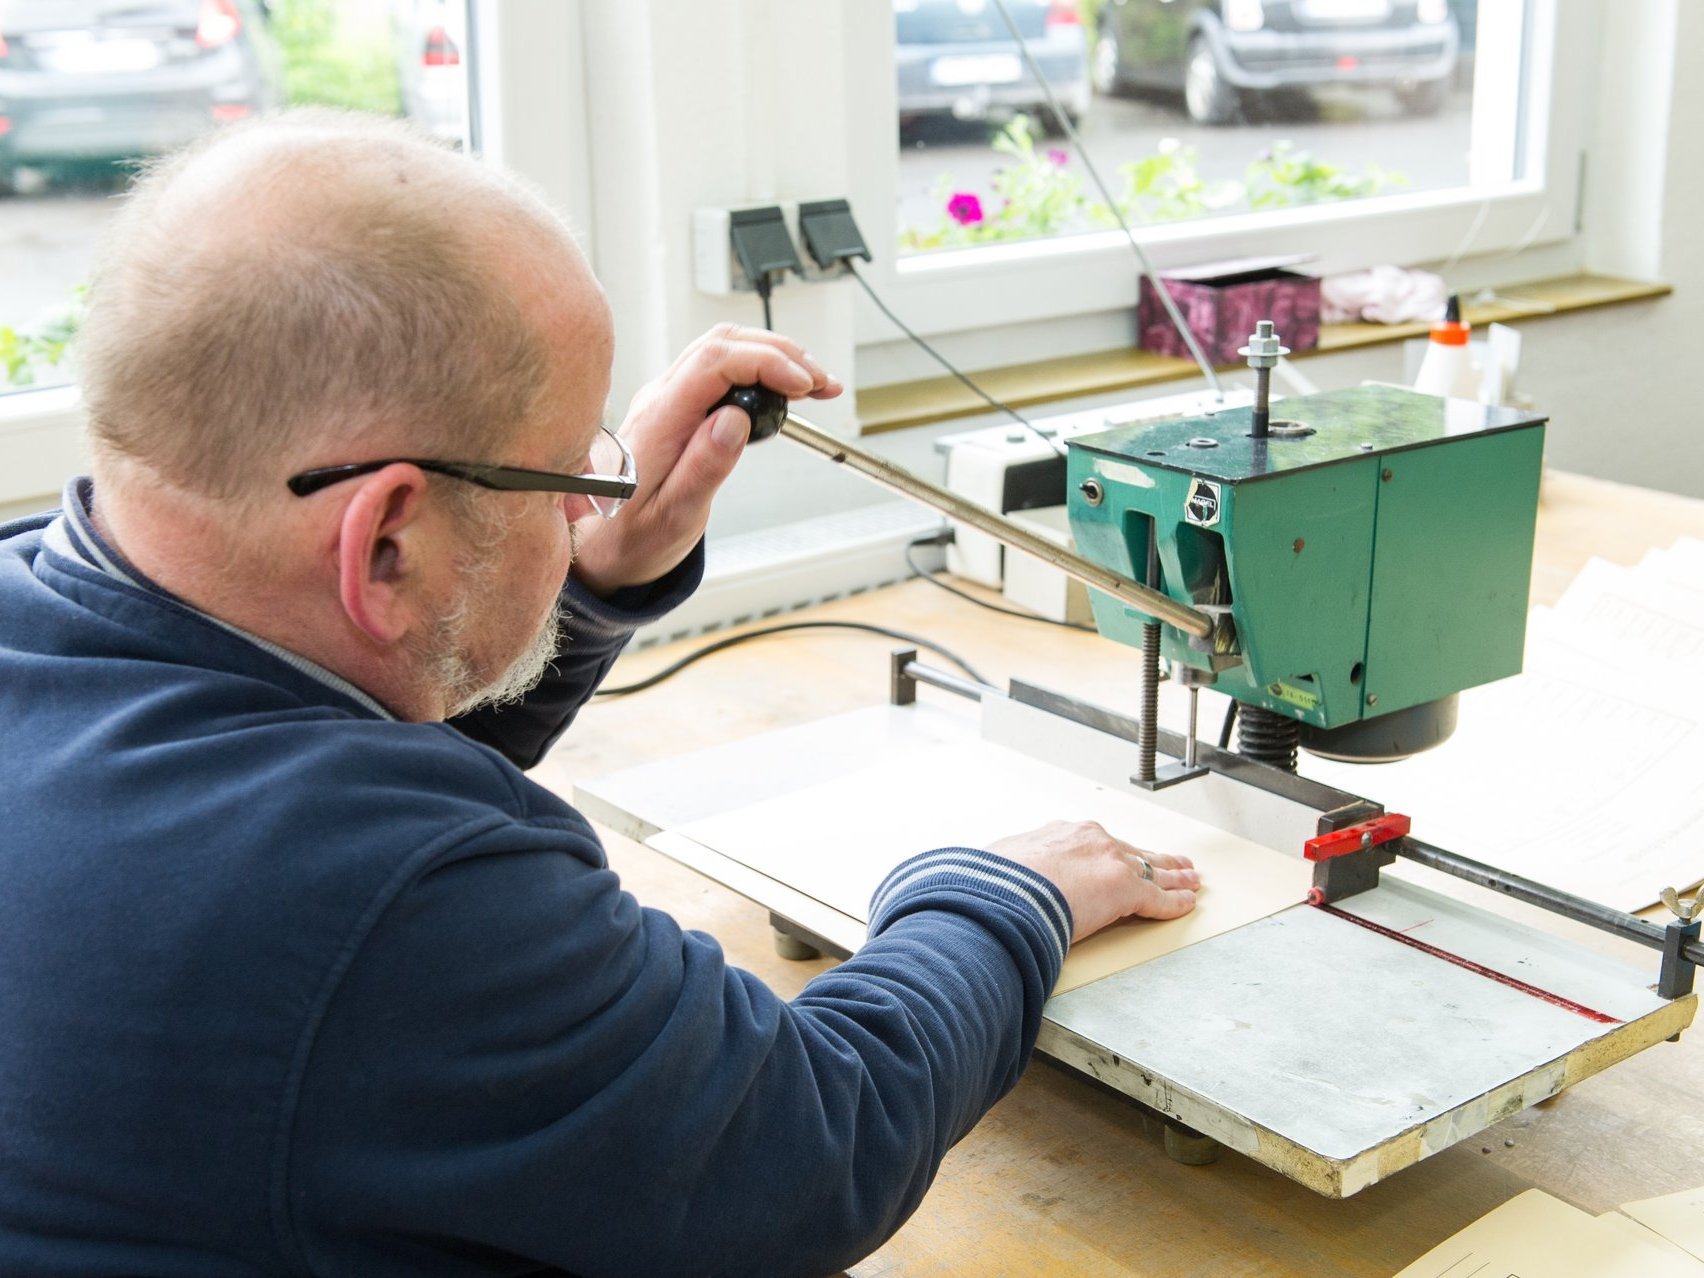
(429, 43)
(1221, 52)
(115, 79)
(957, 58)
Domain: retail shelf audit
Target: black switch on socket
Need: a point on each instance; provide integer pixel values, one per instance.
(762, 243)
(830, 233)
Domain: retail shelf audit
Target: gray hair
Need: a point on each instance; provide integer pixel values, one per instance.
(288, 286)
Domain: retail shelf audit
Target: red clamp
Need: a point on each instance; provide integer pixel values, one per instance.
(1357, 838)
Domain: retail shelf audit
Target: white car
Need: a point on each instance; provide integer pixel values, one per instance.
(431, 50)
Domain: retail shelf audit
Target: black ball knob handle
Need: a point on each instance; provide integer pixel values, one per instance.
(766, 408)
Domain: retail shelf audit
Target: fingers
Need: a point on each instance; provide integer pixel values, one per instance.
(1102, 877)
(729, 355)
(710, 455)
(1165, 860)
(1164, 878)
(1165, 903)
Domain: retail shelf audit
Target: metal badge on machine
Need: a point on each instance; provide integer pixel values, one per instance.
(1201, 507)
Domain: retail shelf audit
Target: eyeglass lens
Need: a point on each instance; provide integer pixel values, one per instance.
(608, 457)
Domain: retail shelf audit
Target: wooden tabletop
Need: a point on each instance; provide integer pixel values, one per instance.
(1064, 1176)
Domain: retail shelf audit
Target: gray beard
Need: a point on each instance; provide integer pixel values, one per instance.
(446, 659)
(463, 690)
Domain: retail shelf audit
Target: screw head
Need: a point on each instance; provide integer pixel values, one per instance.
(1092, 491)
(1385, 475)
(1372, 698)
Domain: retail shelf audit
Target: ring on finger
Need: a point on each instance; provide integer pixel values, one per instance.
(1147, 868)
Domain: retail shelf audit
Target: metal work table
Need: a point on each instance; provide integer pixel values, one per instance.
(1064, 1177)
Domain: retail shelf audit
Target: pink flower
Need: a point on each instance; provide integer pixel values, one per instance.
(964, 208)
(1059, 159)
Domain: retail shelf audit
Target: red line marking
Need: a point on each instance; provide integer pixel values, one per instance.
(1556, 1000)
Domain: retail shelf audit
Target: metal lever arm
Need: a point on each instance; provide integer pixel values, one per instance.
(1001, 529)
(770, 416)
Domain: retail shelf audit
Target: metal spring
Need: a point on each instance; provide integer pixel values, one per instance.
(1268, 737)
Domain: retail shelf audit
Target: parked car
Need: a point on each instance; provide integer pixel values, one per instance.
(957, 58)
(430, 42)
(115, 79)
(1217, 51)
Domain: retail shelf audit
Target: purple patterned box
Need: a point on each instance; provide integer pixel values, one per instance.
(1221, 303)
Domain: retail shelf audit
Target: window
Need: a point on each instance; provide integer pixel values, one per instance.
(85, 90)
(1188, 109)
(1382, 130)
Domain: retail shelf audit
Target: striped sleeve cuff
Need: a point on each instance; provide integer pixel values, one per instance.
(989, 874)
(625, 610)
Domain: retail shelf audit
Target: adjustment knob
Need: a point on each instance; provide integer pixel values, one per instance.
(766, 408)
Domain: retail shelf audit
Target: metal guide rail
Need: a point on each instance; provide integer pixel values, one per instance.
(1342, 875)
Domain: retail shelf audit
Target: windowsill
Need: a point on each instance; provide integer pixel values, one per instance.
(936, 399)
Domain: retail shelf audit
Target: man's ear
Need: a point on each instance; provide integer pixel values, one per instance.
(381, 553)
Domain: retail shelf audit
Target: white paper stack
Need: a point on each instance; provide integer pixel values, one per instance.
(1586, 771)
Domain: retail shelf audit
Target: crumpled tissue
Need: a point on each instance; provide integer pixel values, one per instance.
(1383, 295)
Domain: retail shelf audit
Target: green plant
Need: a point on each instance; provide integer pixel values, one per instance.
(1167, 186)
(26, 353)
(1285, 174)
(329, 62)
(1036, 194)
(1033, 196)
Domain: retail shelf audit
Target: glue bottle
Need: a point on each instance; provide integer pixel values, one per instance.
(1447, 368)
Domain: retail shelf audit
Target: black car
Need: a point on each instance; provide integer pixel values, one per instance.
(1217, 51)
(115, 79)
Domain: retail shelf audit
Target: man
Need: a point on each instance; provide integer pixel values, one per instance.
(296, 977)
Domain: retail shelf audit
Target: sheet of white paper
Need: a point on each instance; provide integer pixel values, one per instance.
(1677, 1217)
(836, 841)
(1536, 1236)
(1688, 555)
(1630, 1228)
(1638, 614)
(1586, 771)
(1676, 570)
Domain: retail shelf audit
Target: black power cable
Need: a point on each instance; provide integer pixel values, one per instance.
(669, 671)
(919, 571)
(765, 286)
(942, 360)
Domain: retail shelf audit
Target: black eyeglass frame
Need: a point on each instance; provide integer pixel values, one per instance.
(513, 479)
(614, 489)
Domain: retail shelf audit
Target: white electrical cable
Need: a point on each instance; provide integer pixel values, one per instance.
(1106, 194)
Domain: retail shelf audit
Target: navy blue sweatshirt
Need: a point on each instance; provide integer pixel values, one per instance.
(290, 987)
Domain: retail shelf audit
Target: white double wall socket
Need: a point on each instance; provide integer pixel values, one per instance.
(717, 270)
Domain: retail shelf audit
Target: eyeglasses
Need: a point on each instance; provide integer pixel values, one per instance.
(609, 479)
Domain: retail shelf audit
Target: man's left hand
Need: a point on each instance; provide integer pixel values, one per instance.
(683, 451)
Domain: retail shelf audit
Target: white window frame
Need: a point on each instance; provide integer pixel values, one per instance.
(526, 92)
(1076, 276)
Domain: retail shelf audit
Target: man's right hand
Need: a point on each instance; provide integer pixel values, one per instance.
(1100, 876)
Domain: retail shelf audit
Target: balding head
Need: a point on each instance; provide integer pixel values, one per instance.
(314, 287)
